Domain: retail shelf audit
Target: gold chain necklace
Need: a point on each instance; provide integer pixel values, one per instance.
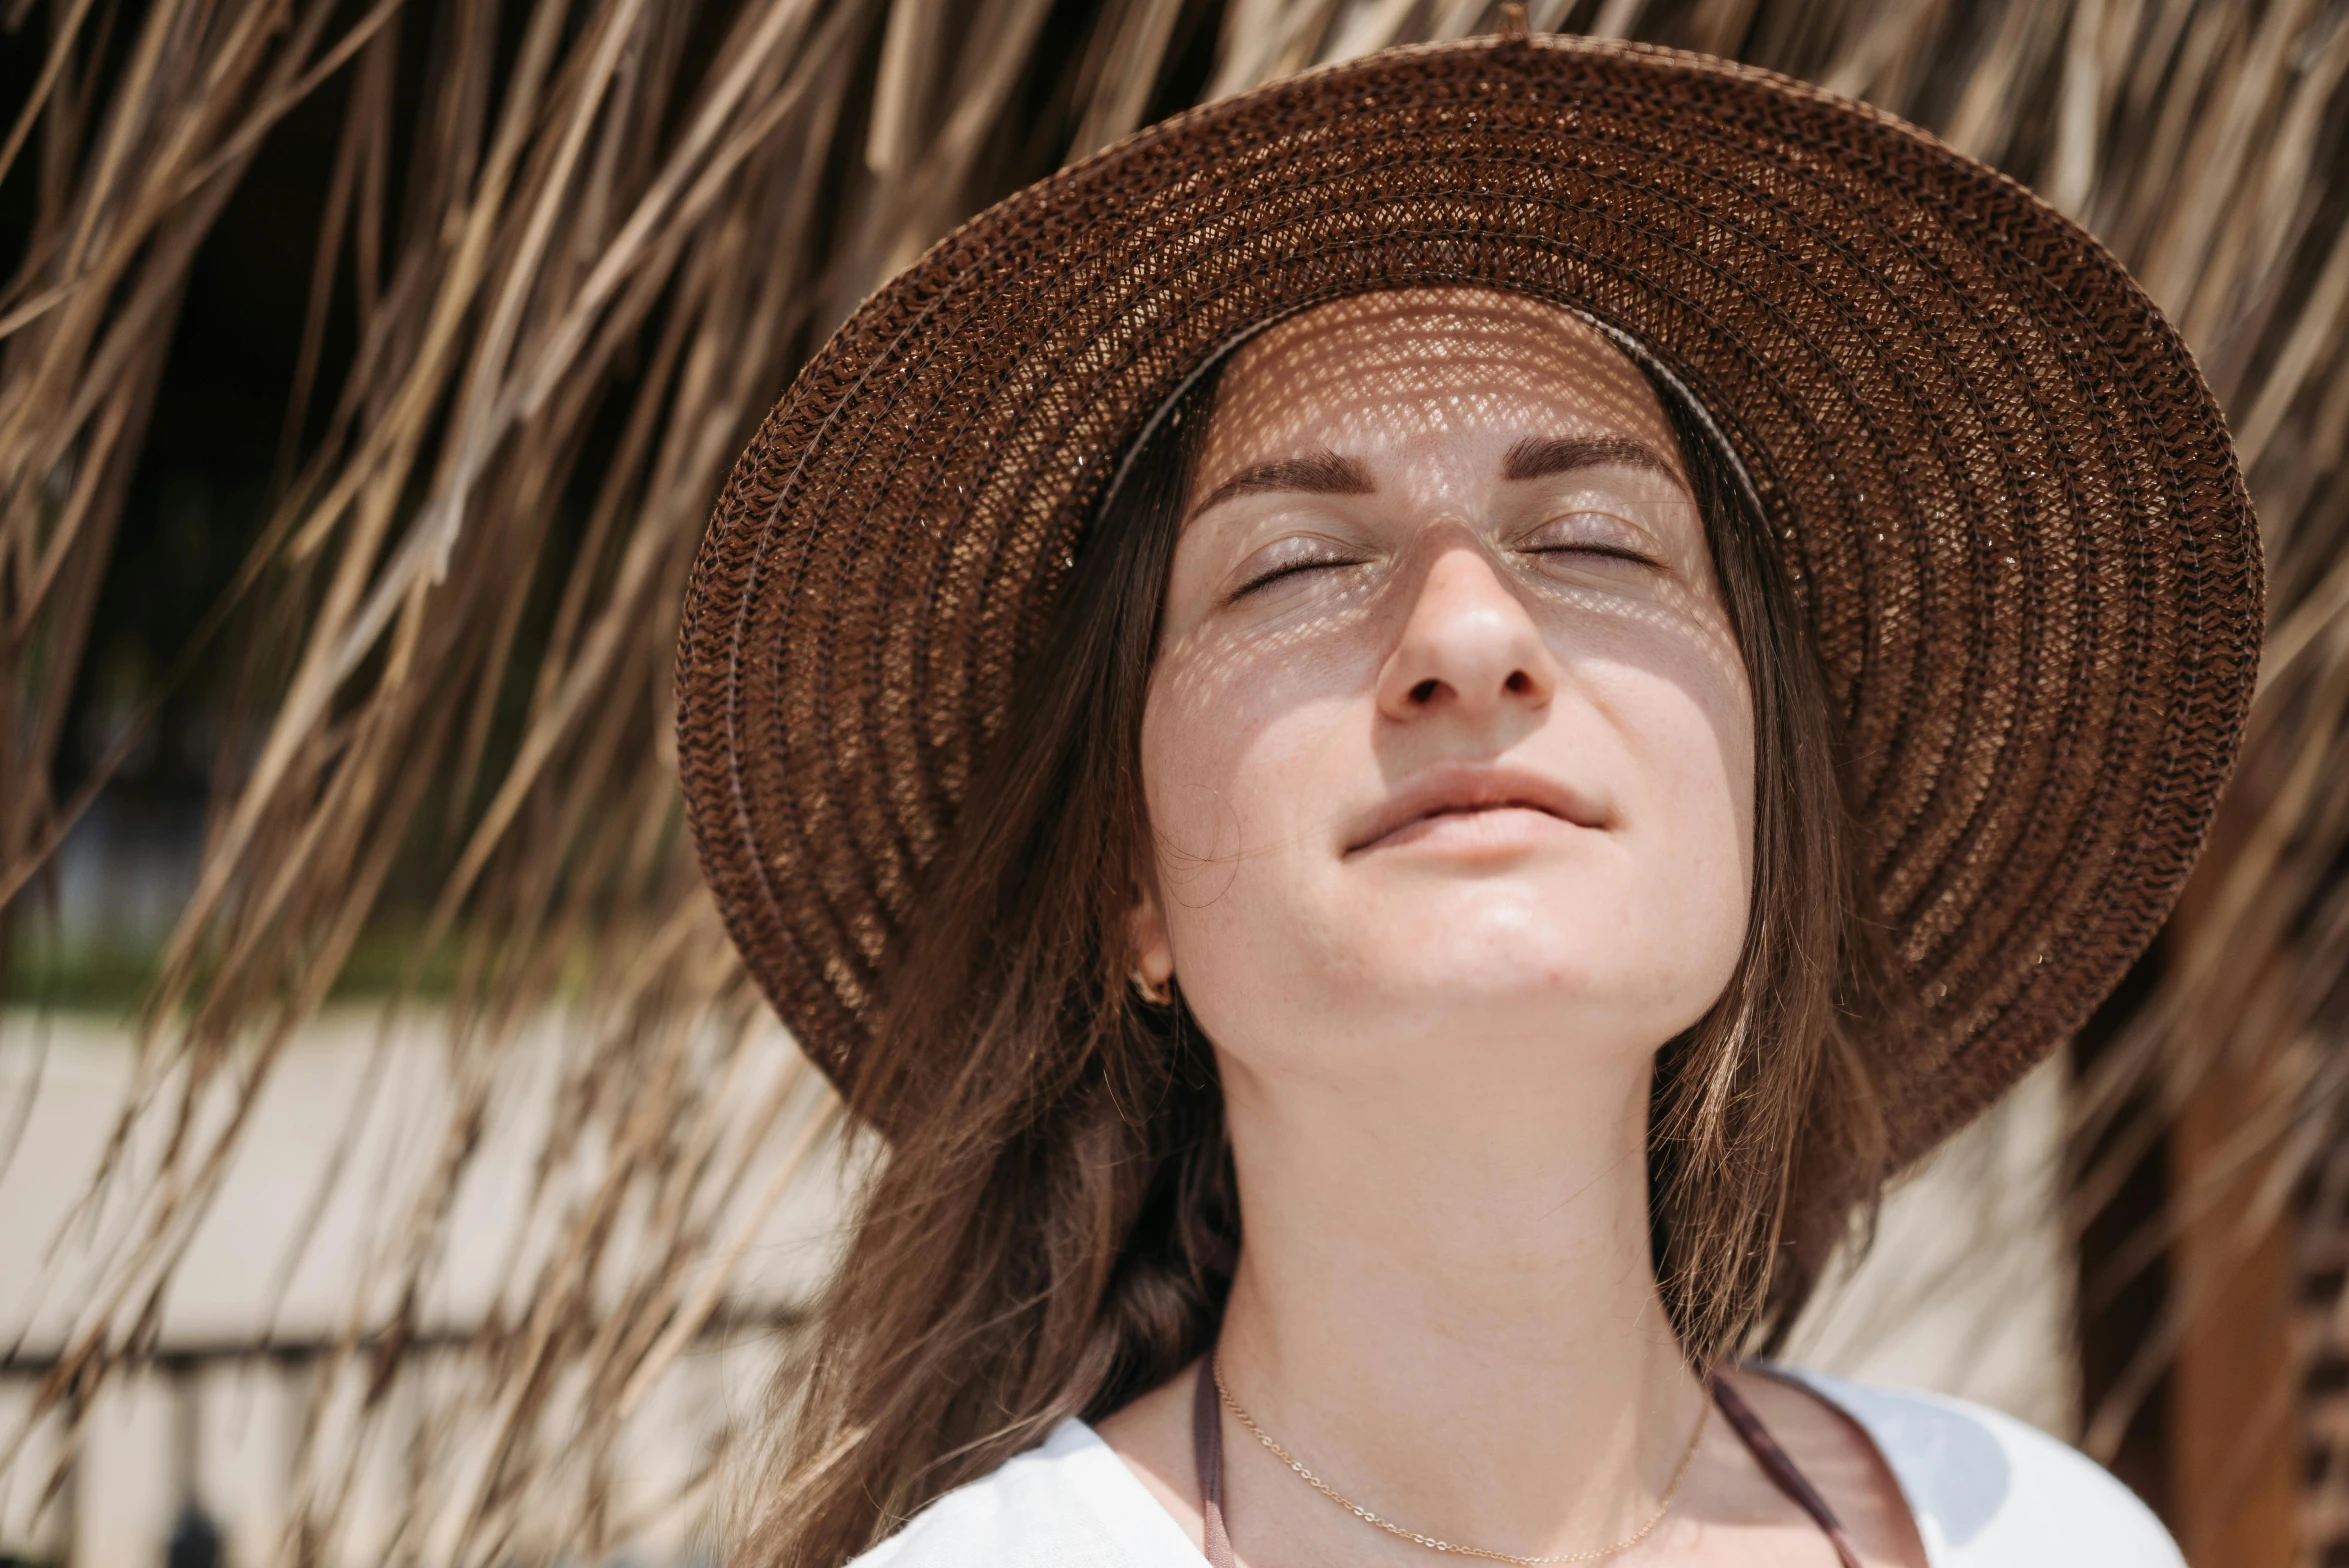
(1671, 1491)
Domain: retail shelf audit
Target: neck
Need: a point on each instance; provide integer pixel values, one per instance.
(1445, 1304)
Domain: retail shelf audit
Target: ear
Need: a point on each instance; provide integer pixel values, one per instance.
(1146, 936)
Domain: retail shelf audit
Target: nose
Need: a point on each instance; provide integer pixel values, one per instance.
(1468, 649)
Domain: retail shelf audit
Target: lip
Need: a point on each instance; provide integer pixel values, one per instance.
(1468, 790)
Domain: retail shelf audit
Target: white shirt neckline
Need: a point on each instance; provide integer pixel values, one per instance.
(1125, 1504)
(1985, 1491)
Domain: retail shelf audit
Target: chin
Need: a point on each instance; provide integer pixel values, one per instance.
(1542, 1007)
(1494, 967)
(1501, 930)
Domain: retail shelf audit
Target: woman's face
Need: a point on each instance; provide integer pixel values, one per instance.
(1448, 737)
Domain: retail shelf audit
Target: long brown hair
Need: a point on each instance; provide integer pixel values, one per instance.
(1053, 1226)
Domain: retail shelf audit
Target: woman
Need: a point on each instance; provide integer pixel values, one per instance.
(1400, 739)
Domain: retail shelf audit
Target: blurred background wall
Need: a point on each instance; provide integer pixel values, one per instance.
(394, 1163)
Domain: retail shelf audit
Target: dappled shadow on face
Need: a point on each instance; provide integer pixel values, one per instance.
(1396, 433)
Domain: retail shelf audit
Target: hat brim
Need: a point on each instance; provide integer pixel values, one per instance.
(2005, 497)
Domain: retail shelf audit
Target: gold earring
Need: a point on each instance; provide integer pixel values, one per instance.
(1158, 995)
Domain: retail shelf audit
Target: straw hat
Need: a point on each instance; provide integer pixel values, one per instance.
(2002, 490)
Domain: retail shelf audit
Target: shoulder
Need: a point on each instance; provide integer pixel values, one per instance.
(1987, 1489)
(1069, 1502)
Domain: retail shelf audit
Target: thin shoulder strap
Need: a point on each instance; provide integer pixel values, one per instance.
(1780, 1467)
(1207, 1455)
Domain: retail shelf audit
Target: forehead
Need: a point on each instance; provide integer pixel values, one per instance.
(1420, 364)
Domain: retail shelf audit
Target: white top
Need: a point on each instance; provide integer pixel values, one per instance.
(1987, 1491)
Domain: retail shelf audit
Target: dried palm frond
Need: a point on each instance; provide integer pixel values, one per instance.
(618, 227)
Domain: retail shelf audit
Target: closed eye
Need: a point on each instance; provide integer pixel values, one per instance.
(1284, 570)
(1293, 556)
(1615, 552)
(1598, 534)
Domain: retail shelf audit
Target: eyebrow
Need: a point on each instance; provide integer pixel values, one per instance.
(1316, 473)
(1538, 457)
(1535, 457)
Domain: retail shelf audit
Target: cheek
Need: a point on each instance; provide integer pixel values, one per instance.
(1240, 753)
(1694, 734)
(1708, 762)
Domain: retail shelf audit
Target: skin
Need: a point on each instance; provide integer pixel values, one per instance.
(1449, 761)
